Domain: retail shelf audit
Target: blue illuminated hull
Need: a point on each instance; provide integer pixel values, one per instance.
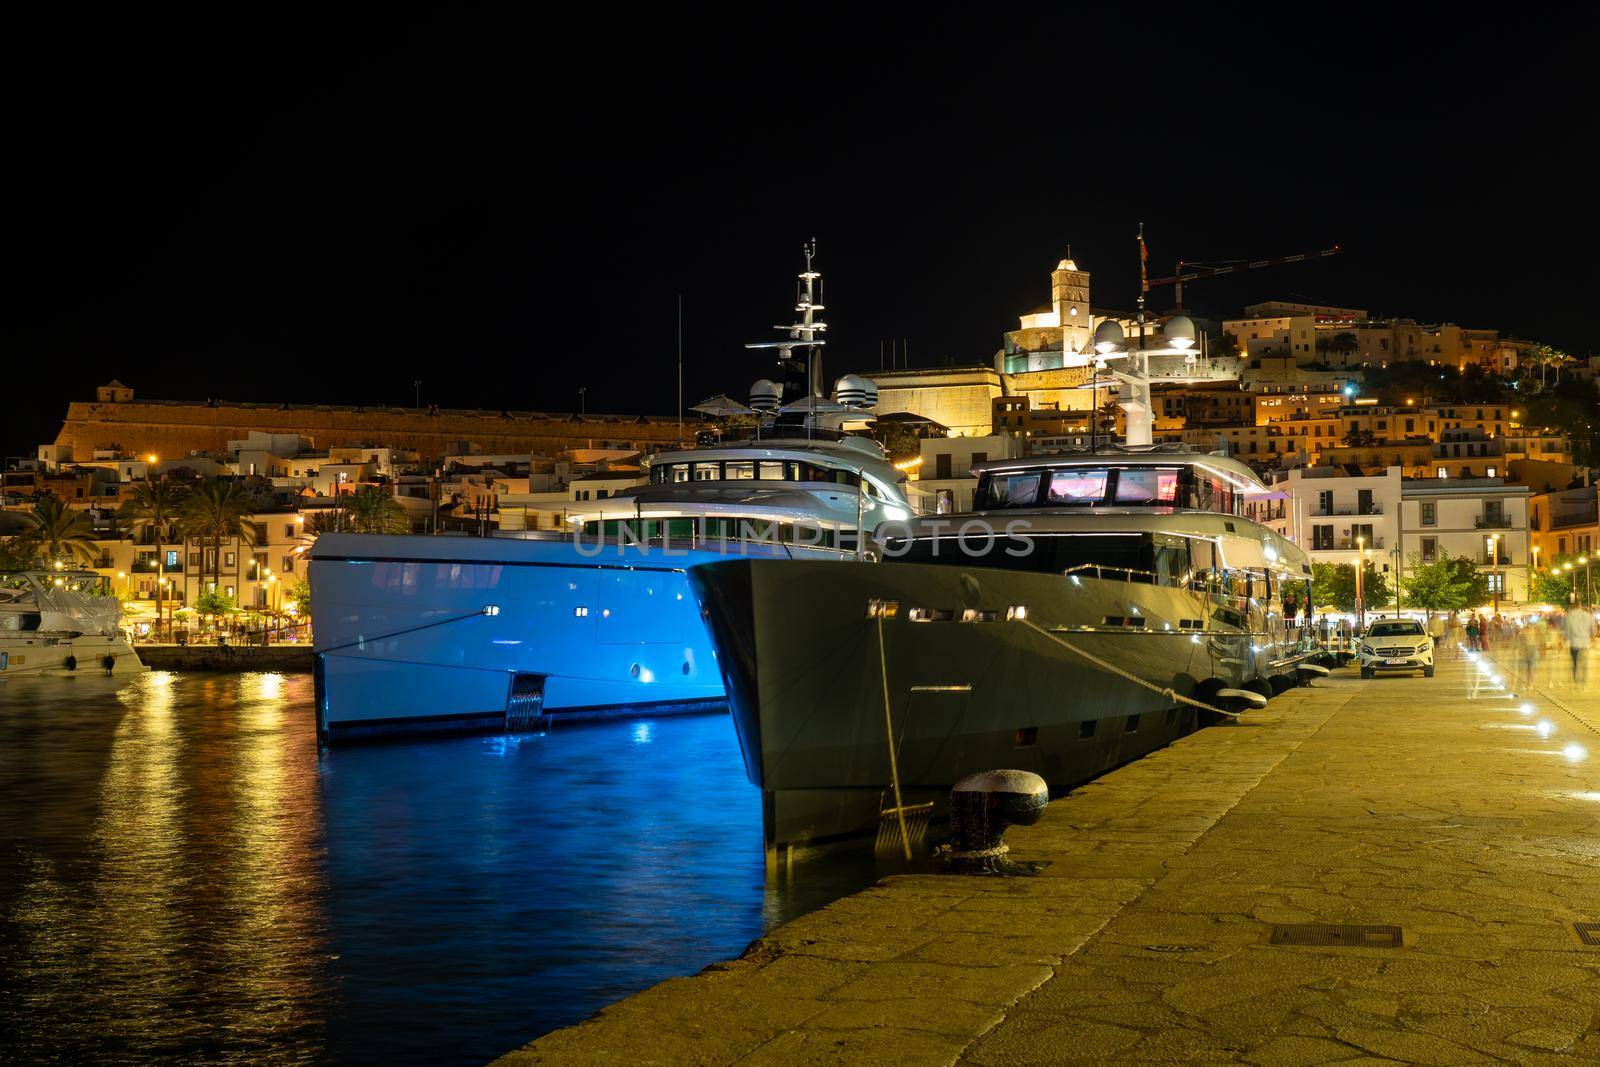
(427, 634)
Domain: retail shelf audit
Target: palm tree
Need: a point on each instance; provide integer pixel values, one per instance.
(152, 511)
(1543, 356)
(217, 510)
(371, 510)
(57, 533)
(1344, 344)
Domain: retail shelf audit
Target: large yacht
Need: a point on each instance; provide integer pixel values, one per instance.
(427, 633)
(59, 622)
(1049, 630)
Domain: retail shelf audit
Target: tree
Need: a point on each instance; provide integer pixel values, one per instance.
(1361, 439)
(371, 510)
(300, 595)
(899, 440)
(1545, 357)
(57, 533)
(1105, 420)
(154, 510)
(1437, 586)
(1334, 585)
(17, 554)
(1558, 586)
(214, 602)
(1344, 344)
(217, 510)
(1477, 582)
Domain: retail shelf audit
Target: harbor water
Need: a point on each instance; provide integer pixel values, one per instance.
(183, 875)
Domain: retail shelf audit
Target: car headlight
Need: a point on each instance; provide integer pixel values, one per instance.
(1366, 650)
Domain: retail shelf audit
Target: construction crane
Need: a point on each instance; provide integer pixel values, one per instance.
(1176, 280)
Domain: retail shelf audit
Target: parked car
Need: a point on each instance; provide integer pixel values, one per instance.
(1395, 645)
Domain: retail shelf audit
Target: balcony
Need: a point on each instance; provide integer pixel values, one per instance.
(1563, 522)
(1372, 509)
(1492, 522)
(1347, 544)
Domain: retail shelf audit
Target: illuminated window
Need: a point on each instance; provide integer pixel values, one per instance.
(1077, 487)
(1145, 487)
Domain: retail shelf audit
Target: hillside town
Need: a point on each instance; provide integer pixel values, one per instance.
(1388, 443)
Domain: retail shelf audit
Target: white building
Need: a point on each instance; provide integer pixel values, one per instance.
(1484, 519)
(1392, 520)
(943, 481)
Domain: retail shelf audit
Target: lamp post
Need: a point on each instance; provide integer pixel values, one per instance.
(1108, 339)
(1494, 570)
(272, 595)
(1361, 566)
(1588, 590)
(1397, 575)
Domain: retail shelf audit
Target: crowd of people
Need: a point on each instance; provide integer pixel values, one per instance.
(1535, 644)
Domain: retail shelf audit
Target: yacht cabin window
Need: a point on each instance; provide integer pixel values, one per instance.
(786, 470)
(1155, 487)
(1075, 486)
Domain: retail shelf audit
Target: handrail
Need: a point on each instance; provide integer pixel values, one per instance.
(1098, 567)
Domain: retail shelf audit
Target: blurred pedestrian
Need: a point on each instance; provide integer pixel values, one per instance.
(1579, 627)
(1530, 648)
(1474, 633)
(1454, 635)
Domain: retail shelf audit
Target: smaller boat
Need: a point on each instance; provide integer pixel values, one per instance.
(59, 622)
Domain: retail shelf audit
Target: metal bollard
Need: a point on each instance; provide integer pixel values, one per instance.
(982, 806)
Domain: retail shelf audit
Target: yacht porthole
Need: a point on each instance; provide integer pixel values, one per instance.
(634, 670)
(685, 666)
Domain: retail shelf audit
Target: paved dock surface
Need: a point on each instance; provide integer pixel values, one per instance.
(1435, 805)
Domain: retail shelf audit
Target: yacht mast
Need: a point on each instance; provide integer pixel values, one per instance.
(806, 332)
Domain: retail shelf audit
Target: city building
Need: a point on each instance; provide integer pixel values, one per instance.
(1339, 515)
(1565, 522)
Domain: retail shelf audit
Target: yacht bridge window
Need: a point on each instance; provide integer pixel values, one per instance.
(1110, 486)
(766, 470)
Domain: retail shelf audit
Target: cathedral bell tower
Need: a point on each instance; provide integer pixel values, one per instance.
(1069, 295)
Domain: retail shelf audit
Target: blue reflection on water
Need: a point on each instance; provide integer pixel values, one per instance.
(549, 874)
(183, 876)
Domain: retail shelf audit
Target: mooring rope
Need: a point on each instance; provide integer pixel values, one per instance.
(888, 723)
(1166, 691)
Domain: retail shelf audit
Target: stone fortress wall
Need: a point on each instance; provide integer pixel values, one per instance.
(172, 429)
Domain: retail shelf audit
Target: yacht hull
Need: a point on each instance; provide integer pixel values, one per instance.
(49, 654)
(806, 672)
(427, 634)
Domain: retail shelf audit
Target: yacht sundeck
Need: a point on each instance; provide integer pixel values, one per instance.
(1044, 631)
(426, 633)
(60, 621)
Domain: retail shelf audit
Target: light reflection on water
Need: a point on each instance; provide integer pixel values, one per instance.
(183, 876)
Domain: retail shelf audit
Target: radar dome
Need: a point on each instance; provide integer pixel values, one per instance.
(765, 395)
(1180, 331)
(850, 391)
(1108, 336)
(871, 387)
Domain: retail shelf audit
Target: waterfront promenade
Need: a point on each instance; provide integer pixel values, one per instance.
(1433, 805)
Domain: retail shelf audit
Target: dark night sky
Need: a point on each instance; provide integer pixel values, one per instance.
(323, 211)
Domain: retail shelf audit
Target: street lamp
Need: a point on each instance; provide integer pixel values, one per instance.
(1494, 570)
(1361, 566)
